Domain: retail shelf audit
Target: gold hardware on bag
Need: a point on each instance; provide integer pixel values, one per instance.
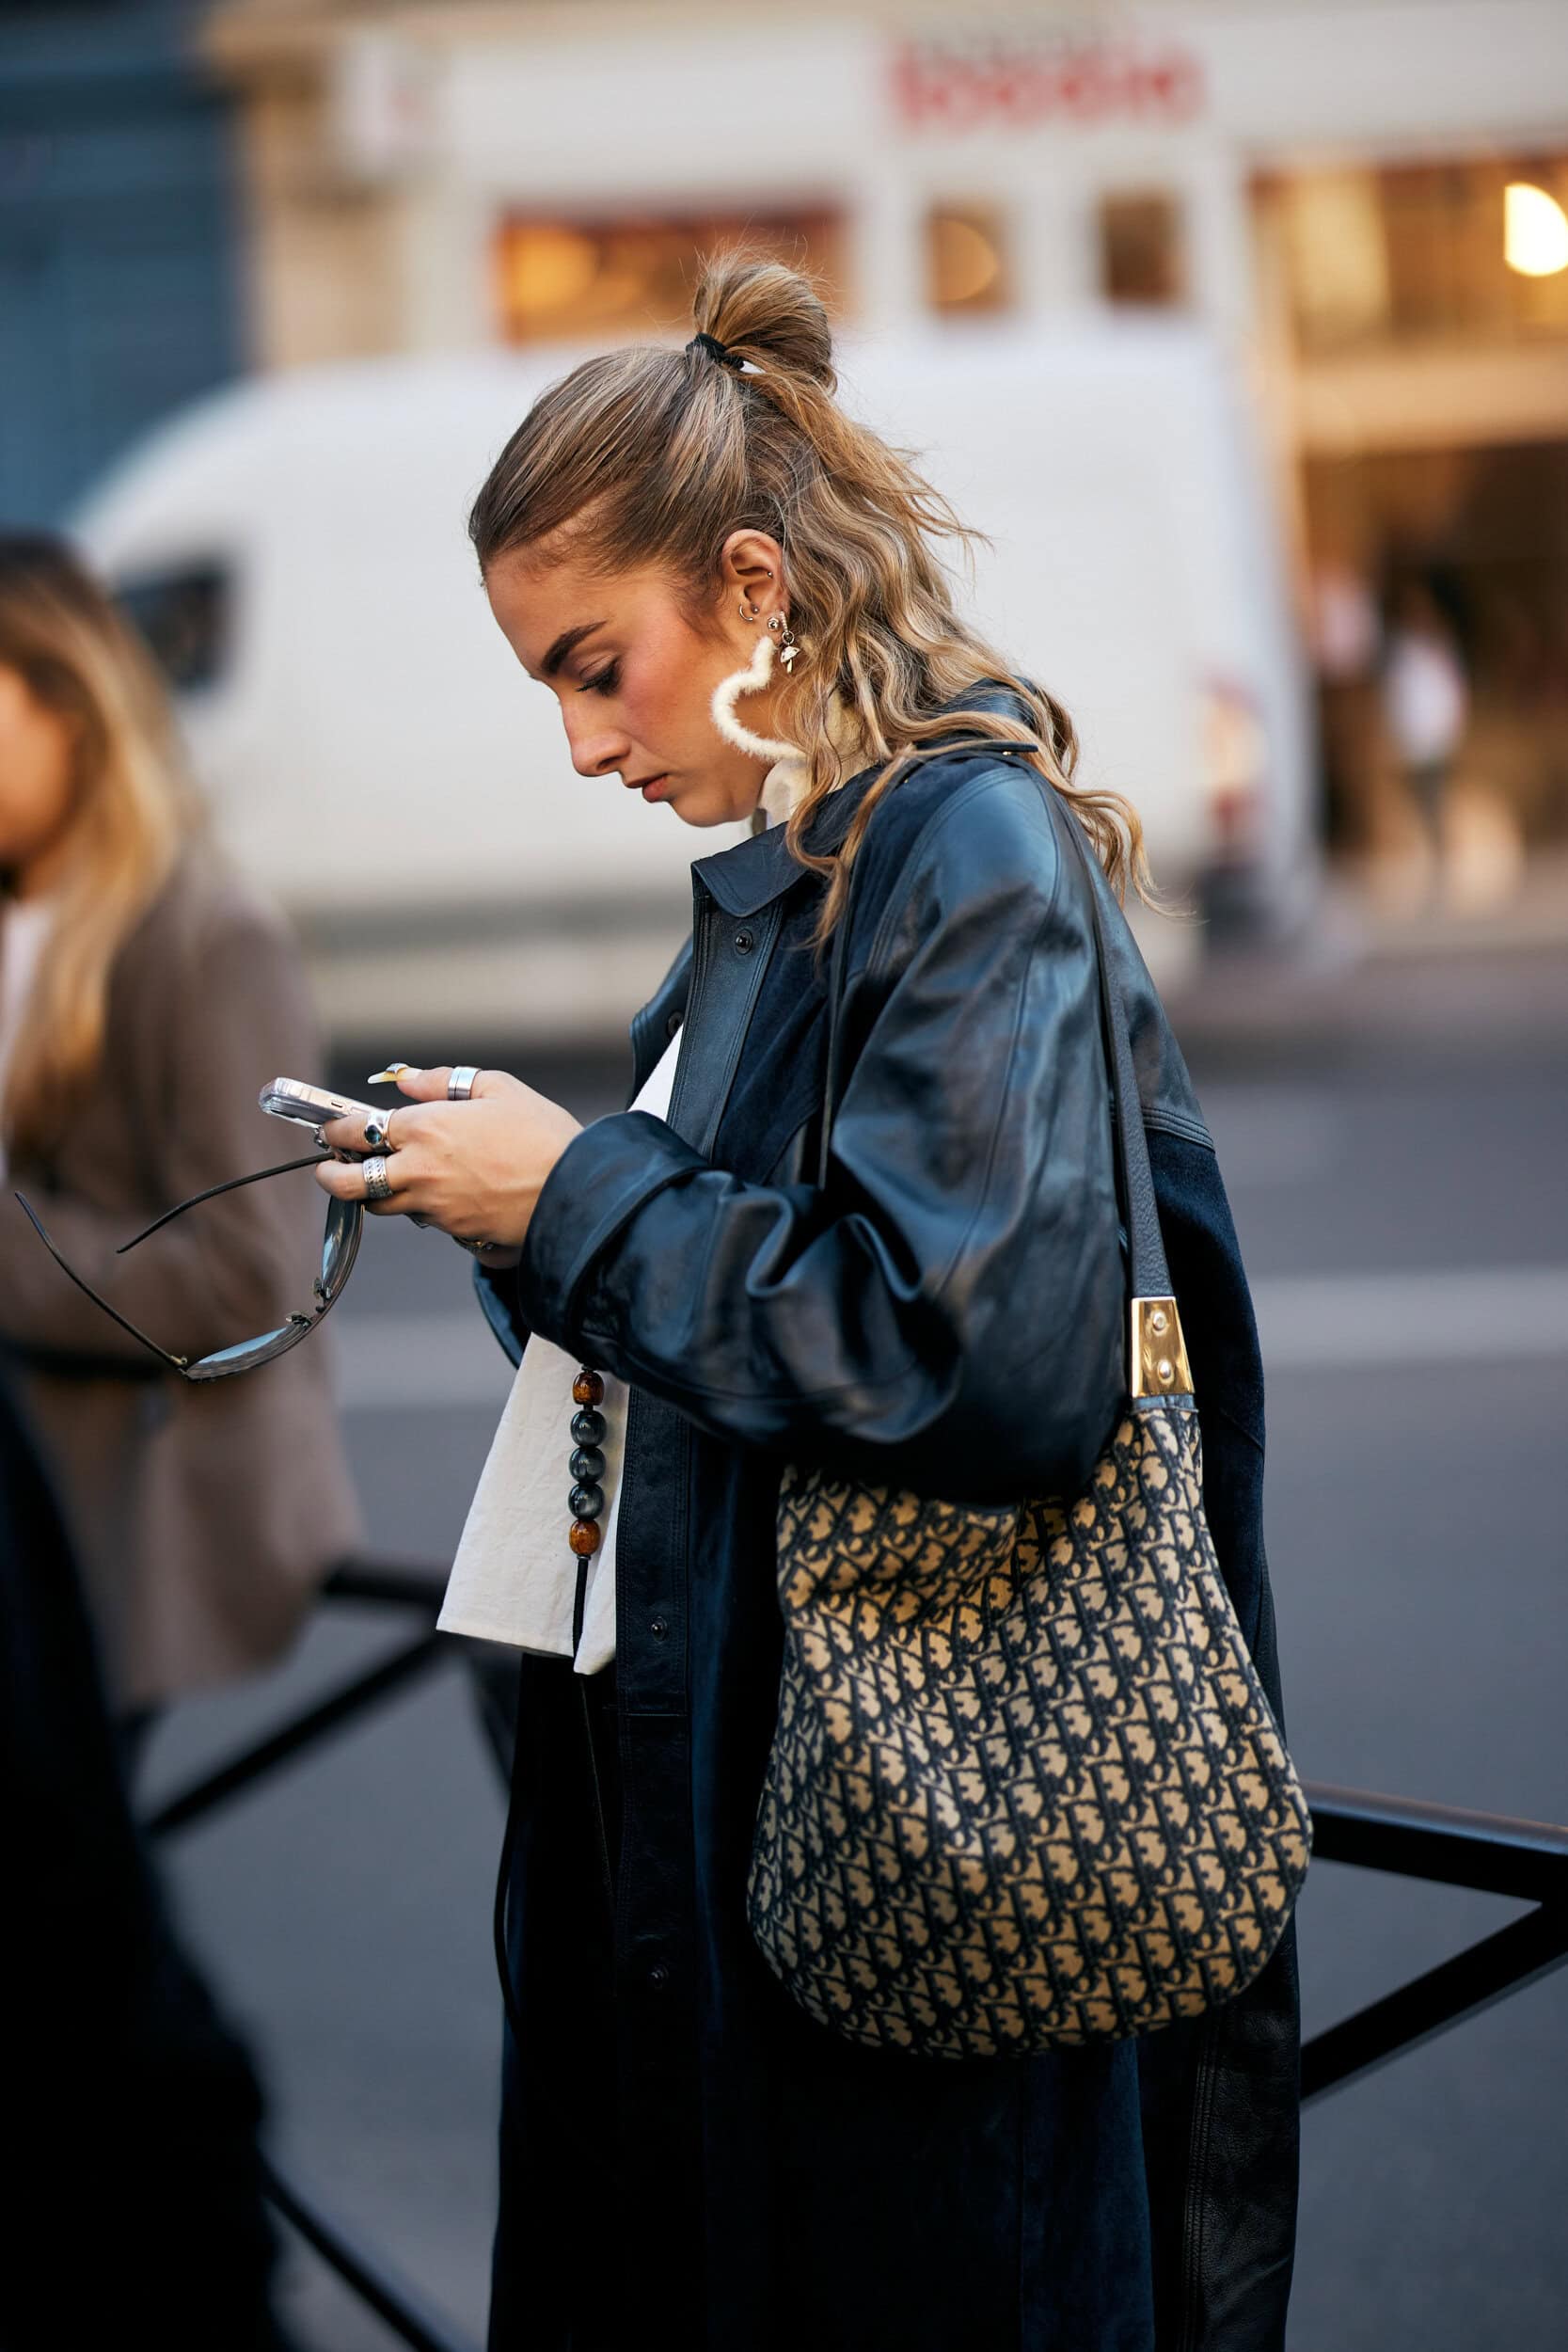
(1157, 1363)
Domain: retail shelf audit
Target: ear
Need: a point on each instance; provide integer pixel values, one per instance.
(753, 566)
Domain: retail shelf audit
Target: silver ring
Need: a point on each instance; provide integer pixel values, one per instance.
(460, 1086)
(378, 1187)
(378, 1131)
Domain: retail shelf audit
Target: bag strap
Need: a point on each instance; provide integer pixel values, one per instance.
(1150, 1278)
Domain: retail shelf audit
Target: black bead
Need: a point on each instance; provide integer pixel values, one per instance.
(587, 1462)
(586, 1501)
(587, 1427)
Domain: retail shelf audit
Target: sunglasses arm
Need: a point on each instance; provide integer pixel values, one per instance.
(177, 1363)
(284, 1168)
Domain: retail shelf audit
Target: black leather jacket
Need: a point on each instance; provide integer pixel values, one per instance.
(945, 1312)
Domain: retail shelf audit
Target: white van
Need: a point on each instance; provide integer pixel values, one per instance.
(296, 550)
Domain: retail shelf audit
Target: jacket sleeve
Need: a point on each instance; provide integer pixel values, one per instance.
(223, 997)
(946, 1312)
(496, 1288)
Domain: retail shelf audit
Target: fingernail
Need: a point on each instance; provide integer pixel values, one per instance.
(390, 1076)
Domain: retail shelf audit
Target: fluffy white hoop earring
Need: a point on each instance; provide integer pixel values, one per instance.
(750, 681)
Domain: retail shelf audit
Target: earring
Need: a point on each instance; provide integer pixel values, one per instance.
(789, 644)
(749, 681)
(749, 613)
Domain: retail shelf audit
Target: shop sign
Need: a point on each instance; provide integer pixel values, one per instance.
(975, 81)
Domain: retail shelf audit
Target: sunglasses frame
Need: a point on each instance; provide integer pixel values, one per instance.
(345, 1225)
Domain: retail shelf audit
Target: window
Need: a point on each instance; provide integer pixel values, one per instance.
(560, 278)
(967, 260)
(1412, 253)
(1142, 256)
(183, 614)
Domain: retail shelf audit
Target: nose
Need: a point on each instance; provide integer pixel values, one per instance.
(596, 750)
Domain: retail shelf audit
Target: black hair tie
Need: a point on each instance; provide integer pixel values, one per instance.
(716, 350)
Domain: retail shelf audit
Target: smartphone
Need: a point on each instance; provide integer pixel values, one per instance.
(291, 1098)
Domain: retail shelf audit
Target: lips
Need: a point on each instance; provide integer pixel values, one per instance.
(651, 787)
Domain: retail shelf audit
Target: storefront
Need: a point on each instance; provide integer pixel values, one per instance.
(1369, 205)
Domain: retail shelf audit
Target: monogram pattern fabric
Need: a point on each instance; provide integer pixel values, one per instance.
(1026, 1789)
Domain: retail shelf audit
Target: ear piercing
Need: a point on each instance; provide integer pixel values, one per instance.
(788, 644)
(784, 639)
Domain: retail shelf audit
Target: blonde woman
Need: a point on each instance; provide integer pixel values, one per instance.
(144, 998)
(735, 594)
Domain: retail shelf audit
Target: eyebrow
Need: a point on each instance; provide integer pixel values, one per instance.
(567, 643)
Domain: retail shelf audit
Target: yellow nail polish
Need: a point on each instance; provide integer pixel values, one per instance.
(388, 1077)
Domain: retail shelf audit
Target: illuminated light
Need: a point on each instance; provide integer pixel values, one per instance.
(964, 262)
(546, 269)
(1535, 230)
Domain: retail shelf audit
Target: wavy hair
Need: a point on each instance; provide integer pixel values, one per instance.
(130, 812)
(656, 456)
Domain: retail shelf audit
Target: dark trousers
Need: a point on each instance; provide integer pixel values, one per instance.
(554, 2279)
(131, 2115)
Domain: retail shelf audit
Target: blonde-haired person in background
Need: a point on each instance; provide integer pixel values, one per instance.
(735, 593)
(144, 998)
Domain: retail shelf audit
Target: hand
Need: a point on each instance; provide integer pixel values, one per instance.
(474, 1168)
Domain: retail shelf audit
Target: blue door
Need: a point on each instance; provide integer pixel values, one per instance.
(117, 249)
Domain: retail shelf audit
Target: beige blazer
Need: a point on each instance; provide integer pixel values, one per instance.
(204, 1517)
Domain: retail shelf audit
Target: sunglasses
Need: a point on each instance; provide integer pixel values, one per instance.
(345, 1222)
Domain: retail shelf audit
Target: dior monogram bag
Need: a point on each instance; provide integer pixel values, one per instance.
(1025, 1788)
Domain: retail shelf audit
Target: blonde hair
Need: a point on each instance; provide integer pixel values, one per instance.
(130, 811)
(655, 455)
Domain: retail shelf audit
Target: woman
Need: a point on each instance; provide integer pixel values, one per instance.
(144, 998)
(686, 2157)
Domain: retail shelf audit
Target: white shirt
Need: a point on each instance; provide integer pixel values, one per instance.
(514, 1577)
(1425, 698)
(24, 925)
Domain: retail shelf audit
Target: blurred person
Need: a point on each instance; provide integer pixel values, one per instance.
(134, 2183)
(1344, 633)
(1425, 702)
(144, 998)
(735, 593)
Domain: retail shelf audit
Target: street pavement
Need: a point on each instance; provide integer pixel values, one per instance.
(1394, 1138)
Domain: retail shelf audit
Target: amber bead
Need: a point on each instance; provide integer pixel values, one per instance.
(587, 1427)
(587, 1388)
(584, 1537)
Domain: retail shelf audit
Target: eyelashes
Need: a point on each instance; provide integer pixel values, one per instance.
(605, 683)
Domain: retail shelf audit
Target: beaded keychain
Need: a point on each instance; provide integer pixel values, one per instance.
(586, 1499)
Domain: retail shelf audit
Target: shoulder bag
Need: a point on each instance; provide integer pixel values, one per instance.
(1025, 1788)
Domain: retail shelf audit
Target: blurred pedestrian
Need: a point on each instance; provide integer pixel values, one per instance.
(1426, 701)
(145, 997)
(134, 2182)
(1344, 636)
(735, 1297)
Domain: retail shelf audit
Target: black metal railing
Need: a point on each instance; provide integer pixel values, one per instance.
(1527, 1861)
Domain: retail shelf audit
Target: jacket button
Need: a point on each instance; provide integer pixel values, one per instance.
(672, 1022)
(659, 1629)
(658, 1976)
(744, 942)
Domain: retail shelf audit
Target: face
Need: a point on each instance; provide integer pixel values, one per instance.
(36, 759)
(634, 676)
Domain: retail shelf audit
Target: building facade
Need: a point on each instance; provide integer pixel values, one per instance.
(1368, 203)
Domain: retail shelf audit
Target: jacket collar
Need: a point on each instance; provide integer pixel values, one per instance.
(745, 879)
(761, 869)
